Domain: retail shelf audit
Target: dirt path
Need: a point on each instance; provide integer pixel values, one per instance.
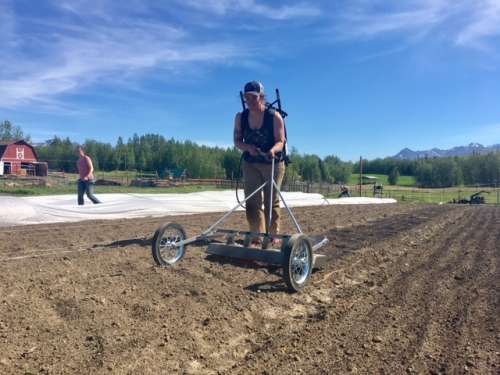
(408, 289)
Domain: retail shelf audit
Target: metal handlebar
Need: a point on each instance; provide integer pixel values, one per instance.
(264, 155)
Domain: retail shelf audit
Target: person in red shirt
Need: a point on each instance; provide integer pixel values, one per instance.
(86, 181)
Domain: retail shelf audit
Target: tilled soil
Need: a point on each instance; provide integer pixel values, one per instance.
(406, 290)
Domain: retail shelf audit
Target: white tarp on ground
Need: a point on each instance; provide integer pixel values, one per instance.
(63, 208)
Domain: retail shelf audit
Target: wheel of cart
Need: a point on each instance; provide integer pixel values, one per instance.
(165, 248)
(297, 261)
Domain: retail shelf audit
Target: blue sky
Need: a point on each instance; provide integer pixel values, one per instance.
(357, 77)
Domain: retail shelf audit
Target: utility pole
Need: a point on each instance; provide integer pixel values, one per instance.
(360, 173)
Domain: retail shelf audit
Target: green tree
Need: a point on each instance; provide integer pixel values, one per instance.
(439, 172)
(120, 155)
(311, 170)
(231, 163)
(336, 170)
(10, 132)
(60, 154)
(393, 176)
(130, 159)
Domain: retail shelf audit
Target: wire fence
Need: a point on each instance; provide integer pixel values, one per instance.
(488, 194)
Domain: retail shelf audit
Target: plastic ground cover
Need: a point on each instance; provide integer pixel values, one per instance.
(63, 208)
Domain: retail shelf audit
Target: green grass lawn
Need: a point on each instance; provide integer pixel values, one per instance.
(430, 195)
(405, 191)
(382, 179)
(71, 189)
(119, 175)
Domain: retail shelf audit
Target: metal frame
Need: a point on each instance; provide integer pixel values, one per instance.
(264, 254)
(213, 232)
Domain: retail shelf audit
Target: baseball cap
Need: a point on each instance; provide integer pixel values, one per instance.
(254, 87)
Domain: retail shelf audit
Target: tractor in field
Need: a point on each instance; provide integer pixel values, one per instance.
(476, 198)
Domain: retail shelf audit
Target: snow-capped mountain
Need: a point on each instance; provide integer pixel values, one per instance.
(471, 149)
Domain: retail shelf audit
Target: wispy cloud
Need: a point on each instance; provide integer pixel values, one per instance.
(364, 20)
(71, 56)
(77, 44)
(463, 23)
(7, 37)
(484, 23)
(106, 54)
(283, 12)
(40, 135)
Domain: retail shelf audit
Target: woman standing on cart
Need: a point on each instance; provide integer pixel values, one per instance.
(260, 133)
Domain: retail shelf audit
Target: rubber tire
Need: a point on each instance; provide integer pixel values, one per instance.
(288, 247)
(155, 246)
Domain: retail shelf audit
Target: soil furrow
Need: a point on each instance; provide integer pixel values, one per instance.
(408, 289)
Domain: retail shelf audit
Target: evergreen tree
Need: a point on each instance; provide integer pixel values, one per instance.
(231, 163)
(152, 152)
(393, 176)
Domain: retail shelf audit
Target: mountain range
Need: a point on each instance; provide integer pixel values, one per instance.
(471, 149)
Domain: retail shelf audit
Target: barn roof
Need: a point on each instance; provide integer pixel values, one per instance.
(4, 144)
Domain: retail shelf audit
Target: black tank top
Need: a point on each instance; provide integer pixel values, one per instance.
(262, 138)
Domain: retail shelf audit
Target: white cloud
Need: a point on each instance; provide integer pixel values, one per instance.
(82, 7)
(484, 23)
(71, 57)
(41, 135)
(363, 19)
(82, 44)
(368, 25)
(463, 23)
(7, 37)
(108, 41)
(222, 7)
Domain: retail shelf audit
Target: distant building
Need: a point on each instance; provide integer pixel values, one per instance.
(19, 158)
(369, 179)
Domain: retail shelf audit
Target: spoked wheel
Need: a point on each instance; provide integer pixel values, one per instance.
(297, 261)
(165, 249)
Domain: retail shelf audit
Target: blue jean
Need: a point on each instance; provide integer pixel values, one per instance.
(86, 187)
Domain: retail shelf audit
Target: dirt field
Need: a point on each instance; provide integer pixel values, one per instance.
(407, 290)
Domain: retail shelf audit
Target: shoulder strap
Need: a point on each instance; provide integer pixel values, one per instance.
(269, 118)
(244, 120)
(270, 113)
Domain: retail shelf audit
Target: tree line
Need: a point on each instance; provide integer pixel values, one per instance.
(155, 153)
(439, 172)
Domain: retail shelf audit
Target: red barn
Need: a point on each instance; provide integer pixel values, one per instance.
(19, 158)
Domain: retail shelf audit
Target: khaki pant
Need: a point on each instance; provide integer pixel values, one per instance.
(255, 174)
